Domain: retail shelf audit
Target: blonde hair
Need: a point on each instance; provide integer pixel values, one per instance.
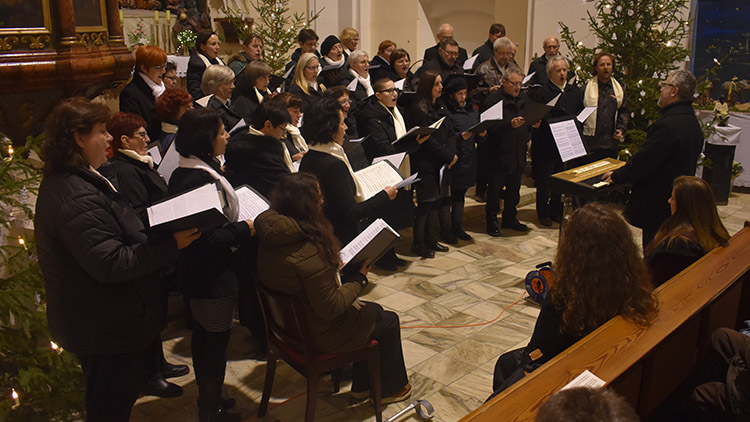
(299, 75)
(348, 34)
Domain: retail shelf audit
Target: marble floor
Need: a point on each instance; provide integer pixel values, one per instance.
(458, 313)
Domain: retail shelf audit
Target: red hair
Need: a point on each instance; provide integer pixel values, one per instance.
(149, 56)
(169, 102)
(123, 123)
(384, 46)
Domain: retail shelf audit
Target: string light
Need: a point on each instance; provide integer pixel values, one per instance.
(669, 43)
(10, 149)
(14, 396)
(22, 242)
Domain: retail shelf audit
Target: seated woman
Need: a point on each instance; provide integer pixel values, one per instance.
(252, 88)
(252, 50)
(299, 256)
(205, 54)
(332, 60)
(101, 271)
(205, 269)
(693, 229)
(139, 96)
(305, 84)
(294, 142)
(359, 68)
(170, 106)
(598, 275)
(400, 66)
(218, 84)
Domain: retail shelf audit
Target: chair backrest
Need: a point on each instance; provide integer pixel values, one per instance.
(285, 319)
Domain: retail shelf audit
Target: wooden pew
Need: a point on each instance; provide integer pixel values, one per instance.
(645, 364)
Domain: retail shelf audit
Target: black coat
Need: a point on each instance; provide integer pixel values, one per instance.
(354, 151)
(255, 160)
(376, 122)
(195, 70)
(292, 64)
(507, 146)
(541, 77)
(671, 256)
(141, 185)
(464, 172)
(339, 191)
(673, 144)
(409, 84)
(101, 271)
(440, 66)
(486, 51)
(205, 269)
(307, 99)
(569, 104)
(137, 98)
(432, 53)
(360, 93)
(433, 153)
(379, 72)
(229, 114)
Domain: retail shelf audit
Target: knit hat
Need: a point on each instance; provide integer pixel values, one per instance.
(328, 44)
(455, 85)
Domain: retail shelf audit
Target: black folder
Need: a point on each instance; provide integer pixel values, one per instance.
(374, 249)
(202, 220)
(534, 112)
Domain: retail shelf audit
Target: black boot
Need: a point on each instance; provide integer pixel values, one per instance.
(444, 216)
(492, 228)
(210, 407)
(431, 235)
(418, 247)
(457, 221)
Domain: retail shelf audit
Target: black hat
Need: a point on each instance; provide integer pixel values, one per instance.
(328, 44)
(455, 85)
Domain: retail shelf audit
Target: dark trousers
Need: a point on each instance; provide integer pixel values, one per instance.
(512, 184)
(483, 167)
(508, 371)
(425, 222)
(392, 368)
(209, 353)
(153, 357)
(548, 204)
(112, 385)
(712, 396)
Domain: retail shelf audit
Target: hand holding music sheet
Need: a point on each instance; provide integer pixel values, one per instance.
(416, 131)
(488, 118)
(200, 207)
(408, 181)
(251, 203)
(372, 179)
(567, 139)
(535, 111)
(371, 244)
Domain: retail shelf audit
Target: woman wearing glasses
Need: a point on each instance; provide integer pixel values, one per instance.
(140, 95)
(305, 83)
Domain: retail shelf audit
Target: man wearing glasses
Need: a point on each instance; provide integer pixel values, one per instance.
(492, 70)
(446, 63)
(671, 149)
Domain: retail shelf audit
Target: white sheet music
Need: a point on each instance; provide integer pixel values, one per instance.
(437, 124)
(567, 139)
(395, 159)
(353, 85)
(170, 162)
(238, 125)
(155, 154)
(358, 243)
(528, 78)
(193, 202)
(358, 140)
(553, 101)
(586, 379)
(288, 72)
(374, 178)
(408, 181)
(469, 63)
(400, 84)
(585, 113)
(493, 113)
(251, 204)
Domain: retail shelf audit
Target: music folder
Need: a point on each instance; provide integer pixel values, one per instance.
(373, 178)
(275, 82)
(252, 203)
(201, 208)
(534, 112)
(154, 151)
(417, 131)
(488, 118)
(371, 244)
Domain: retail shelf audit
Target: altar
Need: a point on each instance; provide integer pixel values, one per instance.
(742, 152)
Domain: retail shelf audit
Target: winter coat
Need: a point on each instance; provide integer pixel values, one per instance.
(289, 263)
(507, 146)
(100, 269)
(486, 51)
(137, 98)
(432, 53)
(141, 185)
(360, 93)
(375, 121)
(307, 99)
(255, 160)
(670, 257)
(441, 67)
(569, 104)
(229, 114)
(195, 70)
(464, 172)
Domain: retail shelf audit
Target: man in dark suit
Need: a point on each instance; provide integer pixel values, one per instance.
(445, 32)
(551, 48)
(446, 63)
(486, 50)
(673, 144)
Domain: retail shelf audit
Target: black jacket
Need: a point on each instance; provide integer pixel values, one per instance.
(137, 98)
(376, 122)
(141, 185)
(292, 64)
(569, 104)
(229, 114)
(339, 191)
(433, 153)
(307, 99)
(100, 269)
(354, 151)
(464, 172)
(195, 70)
(409, 84)
(432, 53)
(359, 93)
(440, 66)
(541, 77)
(255, 160)
(379, 72)
(507, 146)
(486, 51)
(673, 144)
(205, 269)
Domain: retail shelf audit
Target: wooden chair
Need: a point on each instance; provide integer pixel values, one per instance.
(289, 338)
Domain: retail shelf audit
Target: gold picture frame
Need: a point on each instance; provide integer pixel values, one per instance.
(86, 18)
(43, 17)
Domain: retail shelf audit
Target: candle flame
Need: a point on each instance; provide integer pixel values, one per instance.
(14, 394)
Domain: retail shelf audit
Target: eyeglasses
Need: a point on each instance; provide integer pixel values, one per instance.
(142, 134)
(160, 67)
(451, 53)
(312, 67)
(515, 84)
(390, 90)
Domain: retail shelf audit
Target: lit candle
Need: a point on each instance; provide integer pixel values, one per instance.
(10, 150)
(122, 19)
(14, 396)
(55, 347)
(156, 17)
(22, 242)
(169, 13)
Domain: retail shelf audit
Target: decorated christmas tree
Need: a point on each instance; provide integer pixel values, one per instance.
(276, 27)
(38, 380)
(645, 37)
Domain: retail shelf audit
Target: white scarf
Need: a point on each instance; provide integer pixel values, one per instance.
(233, 204)
(259, 96)
(313, 85)
(331, 62)
(93, 170)
(287, 157)
(168, 127)
(365, 82)
(137, 157)
(591, 99)
(205, 60)
(400, 127)
(297, 138)
(157, 90)
(336, 150)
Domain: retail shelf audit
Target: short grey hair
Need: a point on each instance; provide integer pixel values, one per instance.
(356, 55)
(512, 70)
(214, 76)
(503, 42)
(557, 58)
(685, 83)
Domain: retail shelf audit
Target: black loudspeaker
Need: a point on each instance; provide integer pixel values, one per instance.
(719, 176)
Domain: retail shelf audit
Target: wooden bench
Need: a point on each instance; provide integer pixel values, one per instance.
(645, 364)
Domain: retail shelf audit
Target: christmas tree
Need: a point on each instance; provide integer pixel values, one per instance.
(276, 27)
(645, 37)
(38, 380)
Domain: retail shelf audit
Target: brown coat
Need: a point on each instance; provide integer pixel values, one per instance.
(289, 263)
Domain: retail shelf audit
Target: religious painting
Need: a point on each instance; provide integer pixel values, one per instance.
(24, 16)
(90, 14)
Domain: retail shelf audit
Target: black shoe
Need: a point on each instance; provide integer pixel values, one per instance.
(545, 221)
(461, 234)
(447, 237)
(386, 263)
(481, 197)
(423, 251)
(161, 388)
(516, 225)
(437, 247)
(220, 415)
(173, 371)
(227, 403)
(493, 231)
(400, 262)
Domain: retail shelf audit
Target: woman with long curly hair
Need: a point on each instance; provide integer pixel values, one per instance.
(299, 255)
(693, 229)
(599, 274)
